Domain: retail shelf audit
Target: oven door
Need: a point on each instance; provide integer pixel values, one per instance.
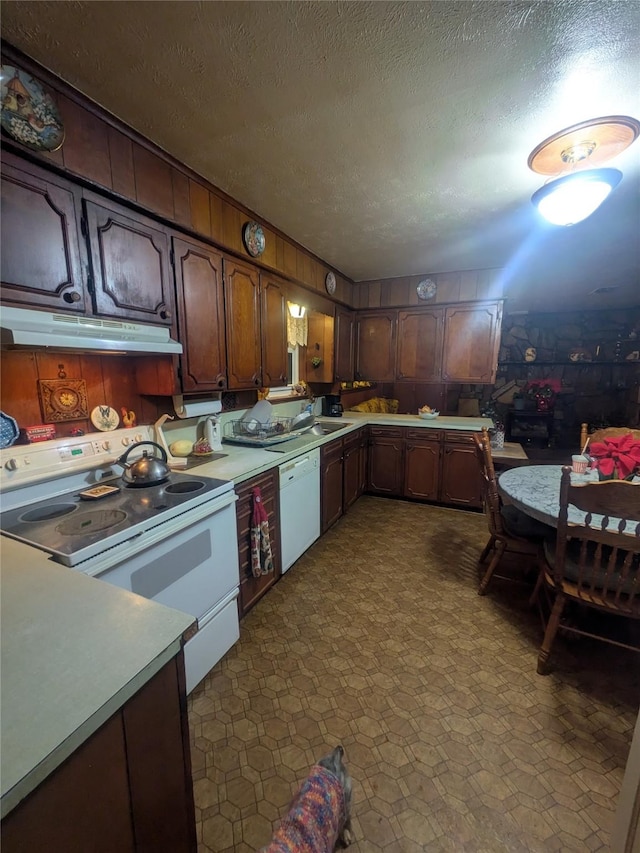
(193, 568)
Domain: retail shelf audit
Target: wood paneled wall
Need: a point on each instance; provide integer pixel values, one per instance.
(463, 286)
(101, 149)
(110, 381)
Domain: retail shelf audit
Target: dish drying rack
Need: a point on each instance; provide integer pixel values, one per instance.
(262, 434)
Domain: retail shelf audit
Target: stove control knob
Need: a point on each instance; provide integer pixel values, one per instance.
(138, 437)
(11, 464)
(126, 441)
(106, 445)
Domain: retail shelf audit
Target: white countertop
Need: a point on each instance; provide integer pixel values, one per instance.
(74, 650)
(243, 462)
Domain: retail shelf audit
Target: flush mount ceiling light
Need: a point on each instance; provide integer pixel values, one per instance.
(574, 157)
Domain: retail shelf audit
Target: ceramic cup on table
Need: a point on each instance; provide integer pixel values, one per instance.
(579, 464)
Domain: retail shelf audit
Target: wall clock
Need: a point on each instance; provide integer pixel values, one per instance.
(253, 238)
(330, 282)
(426, 289)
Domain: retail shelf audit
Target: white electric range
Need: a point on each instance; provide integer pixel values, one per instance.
(174, 542)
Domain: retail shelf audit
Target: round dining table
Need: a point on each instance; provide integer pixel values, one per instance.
(535, 489)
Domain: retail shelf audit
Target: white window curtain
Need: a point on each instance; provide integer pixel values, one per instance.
(297, 330)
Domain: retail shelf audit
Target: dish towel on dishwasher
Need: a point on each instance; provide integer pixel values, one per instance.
(261, 557)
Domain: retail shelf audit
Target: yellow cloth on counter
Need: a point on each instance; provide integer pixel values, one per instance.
(378, 405)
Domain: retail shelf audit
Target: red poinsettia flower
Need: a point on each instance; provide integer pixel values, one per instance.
(619, 456)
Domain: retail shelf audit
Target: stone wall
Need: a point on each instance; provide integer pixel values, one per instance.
(590, 352)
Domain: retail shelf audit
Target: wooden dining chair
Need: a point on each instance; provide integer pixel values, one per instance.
(606, 432)
(510, 530)
(591, 565)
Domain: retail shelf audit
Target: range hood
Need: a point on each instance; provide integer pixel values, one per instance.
(22, 327)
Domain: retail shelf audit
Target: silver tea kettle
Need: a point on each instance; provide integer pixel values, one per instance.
(147, 470)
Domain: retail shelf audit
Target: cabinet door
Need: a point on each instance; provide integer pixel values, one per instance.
(352, 473)
(331, 473)
(343, 361)
(363, 460)
(460, 480)
(376, 346)
(471, 341)
(198, 271)
(419, 345)
(386, 454)
(130, 265)
(422, 468)
(274, 331)
(242, 318)
(252, 589)
(41, 260)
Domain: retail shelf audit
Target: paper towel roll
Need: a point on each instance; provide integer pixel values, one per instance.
(196, 408)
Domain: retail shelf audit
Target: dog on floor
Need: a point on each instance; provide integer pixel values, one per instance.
(319, 818)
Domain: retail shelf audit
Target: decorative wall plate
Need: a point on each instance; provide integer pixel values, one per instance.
(104, 418)
(254, 240)
(330, 282)
(63, 399)
(28, 114)
(426, 289)
(8, 430)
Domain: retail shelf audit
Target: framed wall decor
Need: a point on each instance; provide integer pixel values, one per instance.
(253, 239)
(63, 399)
(330, 282)
(426, 289)
(28, 114)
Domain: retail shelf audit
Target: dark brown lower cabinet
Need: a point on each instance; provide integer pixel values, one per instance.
(428, 465)
(252, 589)
(127, 788)
(355, 470)
(460, 481)
(422, 464)
(386, 460)
(331, 483)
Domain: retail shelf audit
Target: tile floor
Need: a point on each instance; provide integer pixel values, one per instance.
(376, 639)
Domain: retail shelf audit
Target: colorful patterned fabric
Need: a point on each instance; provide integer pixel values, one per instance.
(314, 819)
(261, 556)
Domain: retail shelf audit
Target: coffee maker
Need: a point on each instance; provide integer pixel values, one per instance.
(331, 406)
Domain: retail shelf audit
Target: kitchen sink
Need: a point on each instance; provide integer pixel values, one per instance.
(327, 428)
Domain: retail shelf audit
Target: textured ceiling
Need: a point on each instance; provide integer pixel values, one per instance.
(387, 138)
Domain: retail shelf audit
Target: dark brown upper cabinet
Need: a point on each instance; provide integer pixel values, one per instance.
(242, 319)
(344, 348)
(199, 285)
(130, 264)
(471, 342)
(420, 345)
(41, 243)
(376, 346)
(273, 299)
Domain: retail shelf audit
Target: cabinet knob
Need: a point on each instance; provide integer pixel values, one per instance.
(257, 381)
(165, 314)
(72, 296)
(221, 383)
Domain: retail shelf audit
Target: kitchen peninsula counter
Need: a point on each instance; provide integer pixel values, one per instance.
(73, 653)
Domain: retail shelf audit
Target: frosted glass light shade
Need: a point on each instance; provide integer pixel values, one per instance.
(570, 199)
(296, 311)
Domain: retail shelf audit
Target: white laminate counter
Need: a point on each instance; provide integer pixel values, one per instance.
(243, 462)
(74, 650)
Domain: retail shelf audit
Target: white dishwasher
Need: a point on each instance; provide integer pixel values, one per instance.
(299, 505)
